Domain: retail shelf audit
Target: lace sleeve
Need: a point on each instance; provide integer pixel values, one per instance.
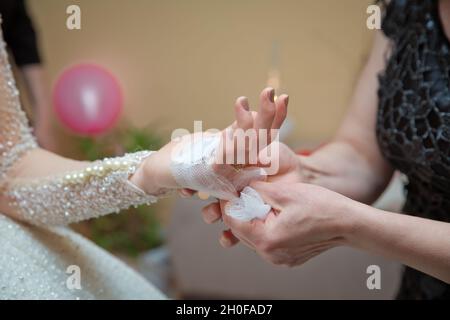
(15, 134)
(100, 188)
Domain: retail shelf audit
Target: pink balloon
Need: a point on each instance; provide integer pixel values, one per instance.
(87, 99)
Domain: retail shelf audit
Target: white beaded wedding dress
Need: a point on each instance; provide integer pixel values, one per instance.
(35, 254)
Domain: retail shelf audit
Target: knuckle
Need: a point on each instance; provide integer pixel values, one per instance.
(268, 112)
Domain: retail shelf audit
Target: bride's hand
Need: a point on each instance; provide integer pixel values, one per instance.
(270, 116)
(155, 174)
(267, 120)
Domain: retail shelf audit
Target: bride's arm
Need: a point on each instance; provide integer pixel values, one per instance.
(43, 188)
(46, 189)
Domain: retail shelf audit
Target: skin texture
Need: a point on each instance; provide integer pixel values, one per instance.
(319, 201)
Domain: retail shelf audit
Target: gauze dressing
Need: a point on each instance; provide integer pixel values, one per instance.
(248, 206)
(192, 166)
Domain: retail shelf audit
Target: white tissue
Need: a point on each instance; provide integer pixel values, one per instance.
(192, 166)
(248, 206)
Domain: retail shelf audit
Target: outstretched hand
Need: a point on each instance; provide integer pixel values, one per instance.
(156, 172)
(234, 154)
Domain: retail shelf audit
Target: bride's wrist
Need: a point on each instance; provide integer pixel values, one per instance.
(138, 177)
(155, 175)
(145, 176)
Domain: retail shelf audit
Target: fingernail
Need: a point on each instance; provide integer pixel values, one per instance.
(245, 105)
(287, 100)
(271, 95)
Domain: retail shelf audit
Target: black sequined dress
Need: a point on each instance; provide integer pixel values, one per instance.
(413, 122)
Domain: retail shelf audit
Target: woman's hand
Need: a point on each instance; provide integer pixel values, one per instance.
(155, 173)
(305, 221)
(289, 172)
(268, 119)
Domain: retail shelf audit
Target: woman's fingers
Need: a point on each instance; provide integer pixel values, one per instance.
(274, 194)
(267, 110)
(228, 239)
(211, 213)
(271, 115)
(244, 119)
(281, 111)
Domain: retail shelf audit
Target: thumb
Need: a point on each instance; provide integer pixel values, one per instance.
(234, 224)
(246, 231)
(270, 192)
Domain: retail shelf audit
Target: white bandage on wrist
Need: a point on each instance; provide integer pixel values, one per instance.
(192, 166)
